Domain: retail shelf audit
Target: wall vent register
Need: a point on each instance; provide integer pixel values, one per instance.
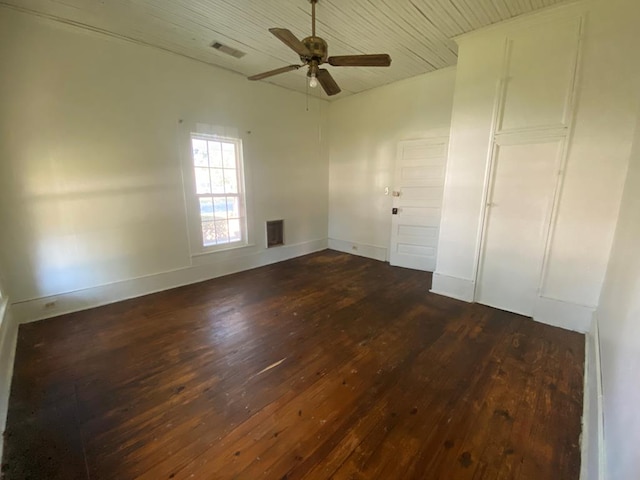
(234, 52)
(275, 233)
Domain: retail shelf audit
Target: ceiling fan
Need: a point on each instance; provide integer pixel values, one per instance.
(313, 53)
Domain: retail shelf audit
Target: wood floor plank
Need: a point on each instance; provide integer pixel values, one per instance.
(325, 366)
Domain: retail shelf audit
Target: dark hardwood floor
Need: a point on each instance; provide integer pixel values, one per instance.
(325, 366)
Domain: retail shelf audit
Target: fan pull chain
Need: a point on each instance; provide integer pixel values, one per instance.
(307, 96)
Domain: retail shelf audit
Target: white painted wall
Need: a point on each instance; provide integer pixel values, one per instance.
(364, 133)
(599, 150)
(619, 326)
(90, 180)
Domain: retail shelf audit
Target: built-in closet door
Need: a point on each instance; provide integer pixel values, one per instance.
(531, 126)
(519, 211)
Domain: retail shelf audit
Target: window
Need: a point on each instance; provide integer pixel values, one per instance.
(219, 190)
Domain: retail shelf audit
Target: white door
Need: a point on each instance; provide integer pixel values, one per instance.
(417, 203)
(518, 218)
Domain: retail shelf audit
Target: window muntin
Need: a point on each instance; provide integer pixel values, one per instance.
(219, 190)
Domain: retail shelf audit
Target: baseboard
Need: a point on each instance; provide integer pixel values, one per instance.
(601, 447)
(592, 437)
(362, 249)
(453, 287)
(567, 315)
(557, 313)
(8, 338)
(205, 269)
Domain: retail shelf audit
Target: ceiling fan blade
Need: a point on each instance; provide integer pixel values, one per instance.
(376, 60)
(328, 83)
(291, 41)
(271, 73)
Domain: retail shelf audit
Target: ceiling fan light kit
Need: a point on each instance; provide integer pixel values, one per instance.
(313, 52)
(313, 80)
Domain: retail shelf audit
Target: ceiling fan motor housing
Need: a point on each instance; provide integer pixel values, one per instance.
(318, 48)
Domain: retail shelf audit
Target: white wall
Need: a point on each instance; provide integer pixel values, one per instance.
(364, 133)
(599, 150)
(619, 325)
(90, 179)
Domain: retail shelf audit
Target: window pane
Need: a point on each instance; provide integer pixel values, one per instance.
(233, 207)
(217, 180)
(229, 155)
(199, 153)
(235, 234)
(208, 233)
(222, 231)
(215, 155)
(203, 184)
(206, 209)
(230, 181)
(220, 208)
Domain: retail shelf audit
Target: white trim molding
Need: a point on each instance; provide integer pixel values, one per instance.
(208, 267)
(567, 315)
(4, 310)
(592, 437)
(361, 249)
(550, 311)
(459, 288)
(8, 339)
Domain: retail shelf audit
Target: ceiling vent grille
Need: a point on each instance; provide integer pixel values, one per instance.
(228, 50)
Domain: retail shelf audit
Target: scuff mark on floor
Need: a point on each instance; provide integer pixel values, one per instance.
(273, 365)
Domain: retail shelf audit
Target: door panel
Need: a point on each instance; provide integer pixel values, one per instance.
(541, 71)
(518, 219)
(419, 181)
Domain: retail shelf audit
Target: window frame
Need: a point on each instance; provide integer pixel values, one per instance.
(4, 300)
(195, 219)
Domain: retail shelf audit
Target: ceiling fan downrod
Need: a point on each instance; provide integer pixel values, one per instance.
(313, 17)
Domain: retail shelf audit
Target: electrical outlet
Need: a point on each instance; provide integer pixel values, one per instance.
(50, 304)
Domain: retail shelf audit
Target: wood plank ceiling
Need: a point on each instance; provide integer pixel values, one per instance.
(416, 33)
